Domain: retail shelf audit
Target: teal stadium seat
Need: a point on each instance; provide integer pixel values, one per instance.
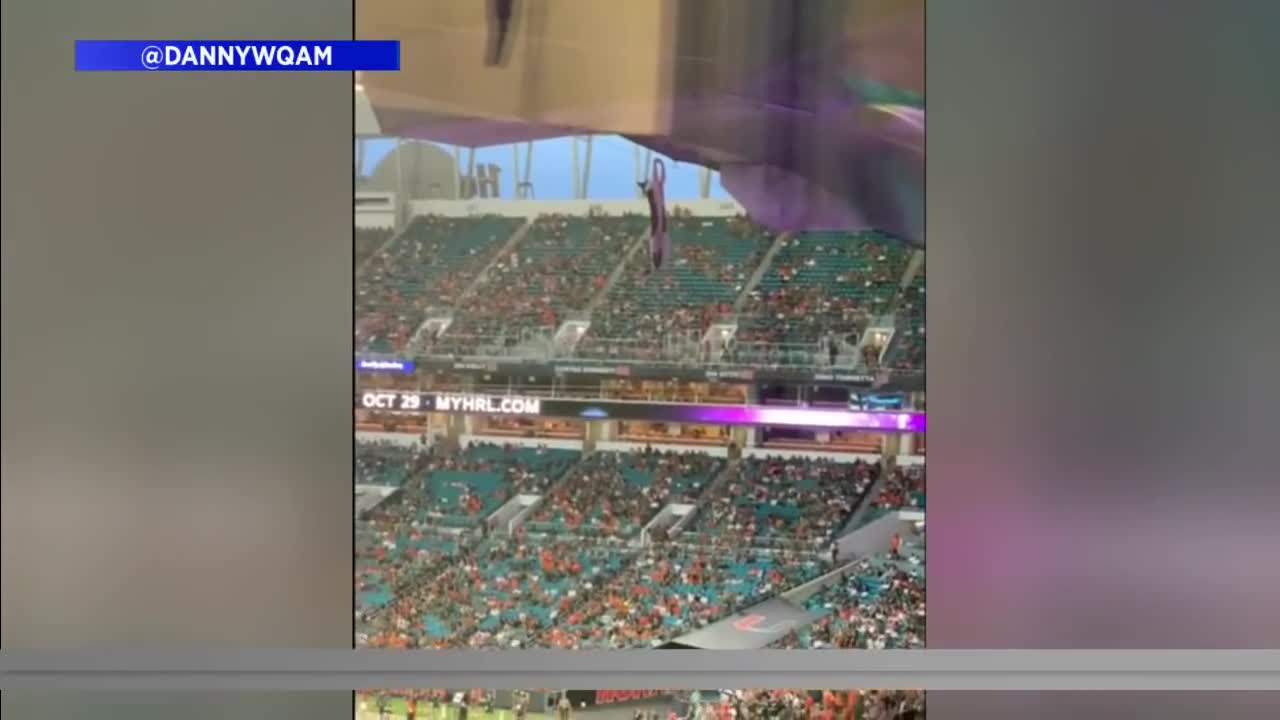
(871, 590)
(429, 265)
(817, 276)
(492, 485)
(548, 273)
(816, 500)
(911, 351)
(714, 259)
(616, 493)
(368, 241)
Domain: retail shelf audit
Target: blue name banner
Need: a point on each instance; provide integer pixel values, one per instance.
(384, 365)
(237, 55)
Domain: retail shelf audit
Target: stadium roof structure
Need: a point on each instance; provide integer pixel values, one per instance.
(812, 112)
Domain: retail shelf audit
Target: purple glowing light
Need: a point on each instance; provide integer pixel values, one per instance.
(909, 422)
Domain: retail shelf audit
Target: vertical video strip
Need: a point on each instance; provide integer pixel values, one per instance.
(564, 440)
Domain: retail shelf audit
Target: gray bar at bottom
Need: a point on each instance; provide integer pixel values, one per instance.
(687, 669)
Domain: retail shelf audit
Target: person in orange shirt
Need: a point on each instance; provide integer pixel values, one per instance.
(851, 700)
(412, 704)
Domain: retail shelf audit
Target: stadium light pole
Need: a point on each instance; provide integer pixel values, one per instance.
(401, 204)
(640, 168)
(528, 161)
(577, 180)
(586, 170)
(457, 172)
(515, 170)
(471, 170)
(647, 166)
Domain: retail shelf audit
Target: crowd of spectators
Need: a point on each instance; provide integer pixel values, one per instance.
(669, 590)
(383, 463)
(616, 493)
(431, 573)
(819, 292)
(778, 704)
(462, 486)
(801, 502)
(402, 541)
(911, 345)
(368, 241)
(392, 555)
(559, 266)
(574, 594)
(798, 315)
(893, 705)
(496, 593)
(479, 479)
(822, 284)
(713, 260)
(740, 704)
(878, 604)
(903, 488)
(484, 476)
(430, 265)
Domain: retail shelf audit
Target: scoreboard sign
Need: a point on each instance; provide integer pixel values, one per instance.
(589, 698)
(771, 415)
(449, 402)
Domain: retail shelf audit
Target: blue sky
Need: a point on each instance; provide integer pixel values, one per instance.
(612, 168)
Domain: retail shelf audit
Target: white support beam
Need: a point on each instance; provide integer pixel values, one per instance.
(457, 172)
(515, 170)
(402, 202)
(586, 171)
(576, 170)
